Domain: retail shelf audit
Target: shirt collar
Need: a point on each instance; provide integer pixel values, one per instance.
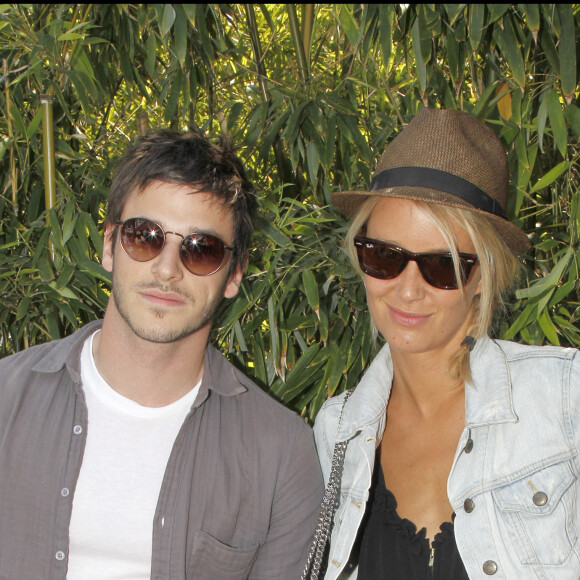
(218, 374)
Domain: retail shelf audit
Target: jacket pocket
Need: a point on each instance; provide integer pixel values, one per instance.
(537, 514)
(211, 559)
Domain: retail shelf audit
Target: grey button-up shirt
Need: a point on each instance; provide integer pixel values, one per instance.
(240, 494)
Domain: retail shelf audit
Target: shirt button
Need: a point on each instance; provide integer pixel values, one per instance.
(468, 446)
(77, 429)
(490, 567)
(59, 555)
(468, 505)
(540, 498)
(65, 492)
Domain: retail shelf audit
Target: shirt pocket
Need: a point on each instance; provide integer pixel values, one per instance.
(211, 559)
(537, 514)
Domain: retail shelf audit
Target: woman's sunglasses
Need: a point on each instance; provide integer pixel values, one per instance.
(143, 239)
(384, 261)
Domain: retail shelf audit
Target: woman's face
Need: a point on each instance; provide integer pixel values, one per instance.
(412, 315)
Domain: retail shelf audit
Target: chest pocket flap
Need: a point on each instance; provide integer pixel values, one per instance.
(537, 512)
(214, 560)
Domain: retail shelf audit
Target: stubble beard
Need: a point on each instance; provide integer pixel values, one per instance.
(157, 334)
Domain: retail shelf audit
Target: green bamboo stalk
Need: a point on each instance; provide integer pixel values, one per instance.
(48, 155)
(307, 26)
(13, 173)
(284, 170)
(297, 40)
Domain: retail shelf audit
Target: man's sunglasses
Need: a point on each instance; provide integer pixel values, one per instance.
(143, 239)
(385, 261)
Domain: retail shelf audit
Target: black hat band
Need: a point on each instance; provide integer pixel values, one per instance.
(437, 179)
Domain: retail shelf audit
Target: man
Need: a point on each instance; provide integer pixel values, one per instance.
(132, 449)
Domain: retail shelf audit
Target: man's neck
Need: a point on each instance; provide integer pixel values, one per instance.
(149, 373)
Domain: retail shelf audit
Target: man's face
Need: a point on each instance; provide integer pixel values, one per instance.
(160, 300)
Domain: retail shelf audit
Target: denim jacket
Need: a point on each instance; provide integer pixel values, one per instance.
(514, 482)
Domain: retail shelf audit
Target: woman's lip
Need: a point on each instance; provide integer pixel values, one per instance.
(407, 318)
(165, 298)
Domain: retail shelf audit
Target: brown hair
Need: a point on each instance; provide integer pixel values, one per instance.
(188, 159)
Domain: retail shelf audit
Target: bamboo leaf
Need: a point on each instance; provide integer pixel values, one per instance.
(167, 20)
(386, 12)
(548, 46)
(70, 36)
(66, 293)
(273, 233)
(551, 176)
(301, 365)
(202, 30)
(151, 48)
(313, 162)
(548, 328)
(496, 11)
(567, 51)
(532, 14)
(419, 61)
(521, 321)
(557, 122)
(541, 121)
(454, 11)
(476, 19)
(23, 308)
(311, 290)
(180, 33)
(349, 26)
(572, 115)
(17, 119)
(52, 326)
(510, 49)
(551, 280)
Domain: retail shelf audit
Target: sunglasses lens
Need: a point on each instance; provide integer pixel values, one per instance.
(142, 239)
(202, 254)
(439, 271)
(378, 260)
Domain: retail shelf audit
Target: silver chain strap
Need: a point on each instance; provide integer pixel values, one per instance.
(327, 509)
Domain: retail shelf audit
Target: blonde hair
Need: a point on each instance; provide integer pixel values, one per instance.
(498, 265)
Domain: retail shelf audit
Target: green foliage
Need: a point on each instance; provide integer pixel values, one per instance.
(311, 95)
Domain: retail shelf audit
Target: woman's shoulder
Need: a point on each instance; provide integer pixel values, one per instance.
(329, 414)
(547, 369)
(516, 350)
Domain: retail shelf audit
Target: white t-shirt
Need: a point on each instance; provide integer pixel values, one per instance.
(127, 449)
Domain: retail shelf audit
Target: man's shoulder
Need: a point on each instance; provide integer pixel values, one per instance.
(253, 399)
(46, 357)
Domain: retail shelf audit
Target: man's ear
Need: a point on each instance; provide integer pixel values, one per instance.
(108, 247)
(233, 284)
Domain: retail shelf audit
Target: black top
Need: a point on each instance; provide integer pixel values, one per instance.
(391, 547)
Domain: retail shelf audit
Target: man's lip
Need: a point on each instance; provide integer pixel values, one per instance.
(160, 297)
(407, 318)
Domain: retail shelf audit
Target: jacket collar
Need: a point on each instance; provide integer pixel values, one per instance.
(488, 400)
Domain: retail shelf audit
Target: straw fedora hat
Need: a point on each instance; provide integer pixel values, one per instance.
(446, 157)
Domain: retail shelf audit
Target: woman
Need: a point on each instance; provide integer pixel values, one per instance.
(461, 452)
